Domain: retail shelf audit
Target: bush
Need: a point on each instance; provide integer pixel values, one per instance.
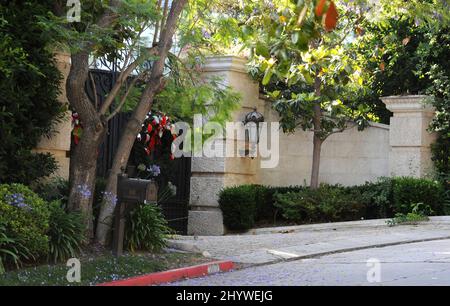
(29, 90)
(243, 206)
(376, 197)
(326, 204)
(11, 251)
(25, 217)
(146, 229)
(265, 201)
(239, 207)
(54, 189)
(66, 233)
(409, 191)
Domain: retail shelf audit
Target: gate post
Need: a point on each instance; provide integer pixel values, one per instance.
(410, 153)
(211, 175)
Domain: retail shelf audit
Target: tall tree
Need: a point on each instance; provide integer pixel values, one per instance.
(137, 38)
(303, 59)
(112, 30)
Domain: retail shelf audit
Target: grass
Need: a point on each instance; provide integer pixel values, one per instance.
(96, 270)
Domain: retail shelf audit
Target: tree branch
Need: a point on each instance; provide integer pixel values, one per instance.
(123, 100)
(94, 90)
(163, 20)
(340, 130)
(156, 33)
(124, 74)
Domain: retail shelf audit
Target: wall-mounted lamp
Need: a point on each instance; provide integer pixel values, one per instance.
(252, 120)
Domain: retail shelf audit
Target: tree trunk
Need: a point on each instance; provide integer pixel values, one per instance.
(153, 87)
(83, 165)
(317, 147)
(317, 142)
(120, 161)
(83, 174)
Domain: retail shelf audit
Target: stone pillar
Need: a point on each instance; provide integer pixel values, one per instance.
(410, 153)
(59, 144)
(211, 175)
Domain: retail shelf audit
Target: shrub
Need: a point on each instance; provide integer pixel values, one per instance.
(54, 189)
(146, 229)
(376, 197)
(25, 216)
(66, 233)
(328, 203)
(239, 207)
(409, 191)
(298, 206)
(29, 90)
(265, 201)
(11, 251)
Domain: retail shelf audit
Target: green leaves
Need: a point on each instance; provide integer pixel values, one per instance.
(66, 234)
(146, 229)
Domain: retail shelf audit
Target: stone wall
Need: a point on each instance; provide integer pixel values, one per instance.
(410, 153)
(348, 158)
(59, 144)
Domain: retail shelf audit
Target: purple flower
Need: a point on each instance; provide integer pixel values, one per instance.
(84, 191)
(17, 200)
(154, 170)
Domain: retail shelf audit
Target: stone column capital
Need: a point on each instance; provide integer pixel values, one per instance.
(408, 104)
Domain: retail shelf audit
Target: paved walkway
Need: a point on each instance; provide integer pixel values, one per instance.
(274, 245)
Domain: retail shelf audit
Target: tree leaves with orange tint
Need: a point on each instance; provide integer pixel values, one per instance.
(331, 17)
(319, 7)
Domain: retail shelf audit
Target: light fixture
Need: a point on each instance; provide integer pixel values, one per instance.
(251, 121)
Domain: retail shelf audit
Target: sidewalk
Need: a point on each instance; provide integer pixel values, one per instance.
(270, 245)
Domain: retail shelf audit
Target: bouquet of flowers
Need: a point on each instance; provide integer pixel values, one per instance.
(157, 134)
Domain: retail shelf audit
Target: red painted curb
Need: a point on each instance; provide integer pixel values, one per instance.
(174, 275)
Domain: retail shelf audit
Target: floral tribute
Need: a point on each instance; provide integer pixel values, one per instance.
(77, 129)
(157, 135)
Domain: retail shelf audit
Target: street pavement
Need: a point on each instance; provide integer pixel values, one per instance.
(273, 244)
(346, 253)
(423, 263)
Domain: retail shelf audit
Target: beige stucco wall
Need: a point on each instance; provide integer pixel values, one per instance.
(348, 158)
(410, 140)
(59, 143)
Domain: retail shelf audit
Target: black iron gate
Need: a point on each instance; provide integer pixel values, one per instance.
(175, 208)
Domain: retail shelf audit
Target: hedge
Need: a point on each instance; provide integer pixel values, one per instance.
(247, 205)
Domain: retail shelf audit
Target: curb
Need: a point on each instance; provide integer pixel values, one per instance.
(174, 275)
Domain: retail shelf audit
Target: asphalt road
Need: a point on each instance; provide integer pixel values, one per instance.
(423, 263)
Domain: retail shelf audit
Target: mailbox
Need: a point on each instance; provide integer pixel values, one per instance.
(135, 191)
(130, 193)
